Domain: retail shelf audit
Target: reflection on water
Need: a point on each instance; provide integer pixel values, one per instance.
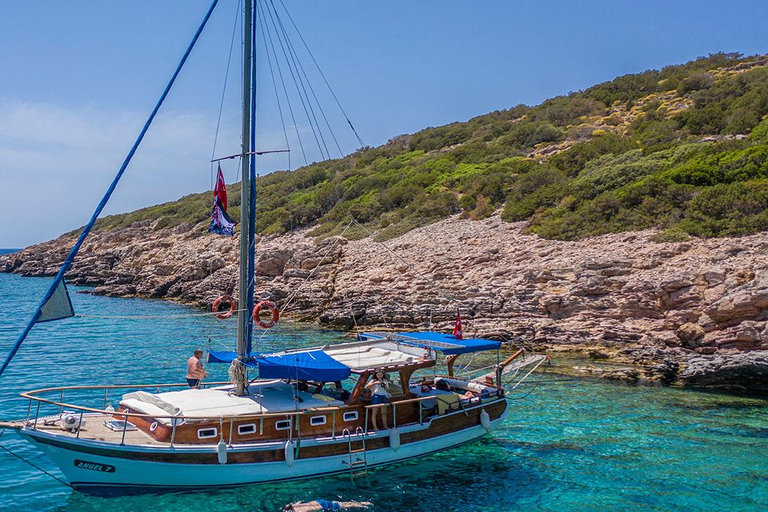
(572, 444)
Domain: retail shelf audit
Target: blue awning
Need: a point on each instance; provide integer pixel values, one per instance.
(445, 343)
(222, 357)
(307, 365)
(311, 365)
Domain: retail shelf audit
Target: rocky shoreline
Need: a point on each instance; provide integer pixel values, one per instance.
(690, 313)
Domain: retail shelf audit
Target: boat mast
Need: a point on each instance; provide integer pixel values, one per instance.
(244, 320)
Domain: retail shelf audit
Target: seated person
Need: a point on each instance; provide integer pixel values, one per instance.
(335, 391)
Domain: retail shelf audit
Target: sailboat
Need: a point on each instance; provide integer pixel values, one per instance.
(311, 411)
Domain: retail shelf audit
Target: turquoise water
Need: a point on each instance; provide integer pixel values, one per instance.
(570, 445)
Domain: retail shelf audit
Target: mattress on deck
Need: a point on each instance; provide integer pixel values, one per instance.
(217, 402)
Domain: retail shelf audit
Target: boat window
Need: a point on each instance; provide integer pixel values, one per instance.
(250, 428)
(206, 433)
(283, 425)
(350, 416)
(335, 391)
(317, 420)
(395, 386)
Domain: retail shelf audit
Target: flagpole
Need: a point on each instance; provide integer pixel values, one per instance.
(244, 315)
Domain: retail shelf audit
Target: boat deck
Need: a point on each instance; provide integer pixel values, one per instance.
(95, 430)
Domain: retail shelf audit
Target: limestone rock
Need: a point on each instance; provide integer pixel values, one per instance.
(643, 302)
(690, 334)
(744, 371)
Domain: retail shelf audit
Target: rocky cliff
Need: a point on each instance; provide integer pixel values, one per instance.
(689, 312)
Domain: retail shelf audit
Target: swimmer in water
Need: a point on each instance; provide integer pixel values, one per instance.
(327, 506)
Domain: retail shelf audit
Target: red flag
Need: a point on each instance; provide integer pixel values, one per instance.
(221, 224)
(220, 190)
(457, 325)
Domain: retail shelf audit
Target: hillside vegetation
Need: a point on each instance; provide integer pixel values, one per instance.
(684, 149)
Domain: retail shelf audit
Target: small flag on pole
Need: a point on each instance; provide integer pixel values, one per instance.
(457, 326)
(221, 223)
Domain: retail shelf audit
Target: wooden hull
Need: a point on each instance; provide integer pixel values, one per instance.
(89, 464)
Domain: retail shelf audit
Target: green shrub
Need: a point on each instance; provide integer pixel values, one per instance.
(574, 160)
(738, 208)
(527, 134)
(656, 173)
(725, 167)
(541, 188)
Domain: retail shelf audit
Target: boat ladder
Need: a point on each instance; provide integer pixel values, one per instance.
(358, 459)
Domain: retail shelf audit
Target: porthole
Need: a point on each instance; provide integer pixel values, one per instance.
(316, 421)
(283, 425)
(153, 426)
(206, 433)
(350, 416)
(250, 428)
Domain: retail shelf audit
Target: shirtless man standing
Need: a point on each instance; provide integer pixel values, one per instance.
(195, 371)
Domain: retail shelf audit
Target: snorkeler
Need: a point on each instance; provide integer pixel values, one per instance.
(327, 506)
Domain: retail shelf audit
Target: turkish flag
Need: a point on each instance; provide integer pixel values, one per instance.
(220, 190)
(457, 326)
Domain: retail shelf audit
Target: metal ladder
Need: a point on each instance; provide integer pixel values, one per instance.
(358, 459)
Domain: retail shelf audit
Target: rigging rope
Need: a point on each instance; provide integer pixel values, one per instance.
(266, 31)
(224, 90)
(309, 84)
(144, 317)
(237, 373)
(541, 377)
(295, 293)
(296, 82)
(274, 86)
(33, 464)
(311, 273)
(362, 144)
(409, 265)
(299, 68)
(87, 229)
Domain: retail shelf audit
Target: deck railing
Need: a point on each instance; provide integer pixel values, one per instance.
(175, 420)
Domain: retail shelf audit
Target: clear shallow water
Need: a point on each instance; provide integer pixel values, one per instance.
(571, 445)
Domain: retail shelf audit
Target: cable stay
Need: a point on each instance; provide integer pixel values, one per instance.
(312, 56)
(296, 83)
(301, 72)
(55, 304)
(274, 86)
(224, 89)
(282, 81)
(257, 153)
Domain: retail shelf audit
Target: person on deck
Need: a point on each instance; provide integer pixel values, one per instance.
(195, 370)
(378, 387)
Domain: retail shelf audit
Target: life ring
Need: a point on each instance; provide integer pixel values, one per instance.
(427, 353)
(257, 311)
(224, 299)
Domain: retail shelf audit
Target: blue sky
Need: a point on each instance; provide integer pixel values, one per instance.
(77, 80)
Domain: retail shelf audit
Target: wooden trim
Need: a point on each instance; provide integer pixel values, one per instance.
(439, 426)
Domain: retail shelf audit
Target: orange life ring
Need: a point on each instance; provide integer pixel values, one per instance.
(224, 299)
(272, 307)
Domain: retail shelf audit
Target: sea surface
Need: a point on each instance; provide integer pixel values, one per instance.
(567, 445)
